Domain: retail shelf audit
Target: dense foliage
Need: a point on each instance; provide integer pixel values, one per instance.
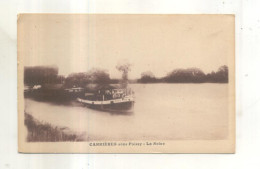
(38, 75)
(94, 76)
(190, 75)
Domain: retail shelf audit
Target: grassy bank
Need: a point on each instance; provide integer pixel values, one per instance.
(45, 132)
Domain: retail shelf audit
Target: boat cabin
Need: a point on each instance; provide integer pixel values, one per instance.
(75, 90)
(109, 94)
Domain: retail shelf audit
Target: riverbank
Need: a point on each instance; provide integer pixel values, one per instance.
(45, 132)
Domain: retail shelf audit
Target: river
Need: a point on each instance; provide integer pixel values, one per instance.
(161, 111)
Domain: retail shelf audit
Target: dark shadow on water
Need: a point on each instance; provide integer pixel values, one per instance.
(54, 100)
(73, 103)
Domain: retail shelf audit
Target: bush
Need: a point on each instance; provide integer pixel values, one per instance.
(45, 132)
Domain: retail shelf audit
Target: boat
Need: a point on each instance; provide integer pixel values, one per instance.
(109, 99)
(74, 90)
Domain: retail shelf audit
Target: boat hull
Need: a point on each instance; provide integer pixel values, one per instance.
(113, 107)
(110, 105)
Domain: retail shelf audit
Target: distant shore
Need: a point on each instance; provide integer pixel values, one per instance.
(39, 75)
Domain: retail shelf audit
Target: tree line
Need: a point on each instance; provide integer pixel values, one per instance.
(190, 75)
(36, 75)
(39, 75)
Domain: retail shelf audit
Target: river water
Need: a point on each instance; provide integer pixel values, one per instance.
(161, 111)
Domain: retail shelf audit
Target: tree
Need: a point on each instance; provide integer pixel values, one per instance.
(124, 68)
(94, 76)
(76, 79)
(190, 75)
(147, 77)
(98, 76)
(37, 75)
(221, 76)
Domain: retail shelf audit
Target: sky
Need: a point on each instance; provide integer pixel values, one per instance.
(156, 43)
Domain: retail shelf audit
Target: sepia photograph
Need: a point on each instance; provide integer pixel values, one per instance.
(126, 83)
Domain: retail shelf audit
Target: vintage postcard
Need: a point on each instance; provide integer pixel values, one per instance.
(126, 83)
